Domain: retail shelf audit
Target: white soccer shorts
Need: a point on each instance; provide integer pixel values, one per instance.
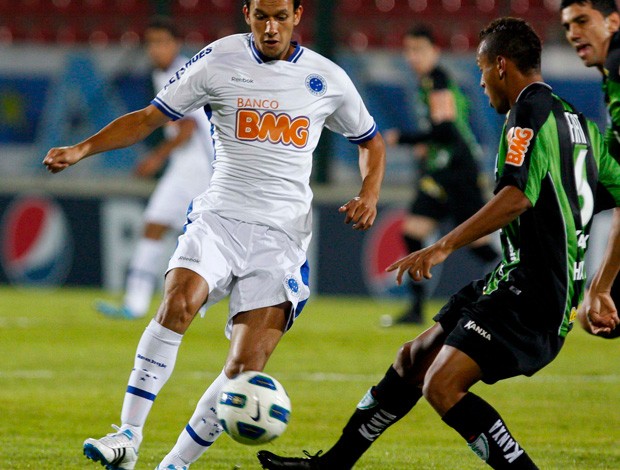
(257, 266)
(175, 191)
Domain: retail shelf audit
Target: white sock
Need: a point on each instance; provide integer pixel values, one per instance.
(144, 269)
(153, 365)
(201, 431)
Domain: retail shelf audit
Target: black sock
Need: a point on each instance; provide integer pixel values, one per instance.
(416, 288)
(383, 405)
(486, 434)
(485, 253)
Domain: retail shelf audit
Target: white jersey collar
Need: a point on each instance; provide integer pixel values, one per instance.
(261, 59)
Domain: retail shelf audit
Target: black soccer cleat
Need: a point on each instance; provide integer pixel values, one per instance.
(270, 460)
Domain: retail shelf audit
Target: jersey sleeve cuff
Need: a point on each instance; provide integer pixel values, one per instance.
(512, 180)
(366, 136)
(167, 110)
(507, 180)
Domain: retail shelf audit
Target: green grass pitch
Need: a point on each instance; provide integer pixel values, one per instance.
(63, 371)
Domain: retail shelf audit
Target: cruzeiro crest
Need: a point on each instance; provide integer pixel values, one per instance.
(292, 284)
(316, 84)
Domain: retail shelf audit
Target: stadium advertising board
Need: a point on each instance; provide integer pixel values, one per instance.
(82, 241)
(88, 241)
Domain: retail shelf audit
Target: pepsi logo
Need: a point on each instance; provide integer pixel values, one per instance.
(36, 243)
(384, 245)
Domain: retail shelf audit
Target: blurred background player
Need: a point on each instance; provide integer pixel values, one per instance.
(515, 321)
(450, 184)
(592, 28)
(187, 152)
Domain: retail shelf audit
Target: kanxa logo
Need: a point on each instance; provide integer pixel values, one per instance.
(504, 440)
(471, 325)
(378, 423)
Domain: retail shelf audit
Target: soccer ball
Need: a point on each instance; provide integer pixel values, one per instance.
(253, 408)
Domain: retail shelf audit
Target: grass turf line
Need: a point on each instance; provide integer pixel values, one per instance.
(64, 370)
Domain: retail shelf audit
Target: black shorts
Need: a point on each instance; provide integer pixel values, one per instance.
(441, 195)
(498, 332)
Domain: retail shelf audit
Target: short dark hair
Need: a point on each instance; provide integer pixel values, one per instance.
(514, 39)
(296, 4)
(422, 31)
(606, 7)
(164, 22)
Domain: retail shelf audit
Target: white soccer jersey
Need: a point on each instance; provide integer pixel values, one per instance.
(267, 118)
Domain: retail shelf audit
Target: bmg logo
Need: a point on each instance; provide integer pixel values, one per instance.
(276, 128)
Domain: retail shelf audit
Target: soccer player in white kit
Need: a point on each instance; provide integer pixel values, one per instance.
(188, 149)
(268, 100)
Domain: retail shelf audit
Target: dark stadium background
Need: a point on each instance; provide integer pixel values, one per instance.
(67, 67)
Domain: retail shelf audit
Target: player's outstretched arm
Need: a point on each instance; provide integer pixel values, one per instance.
(122, 132)
(598, 314)
(502, 209)
(362, 209)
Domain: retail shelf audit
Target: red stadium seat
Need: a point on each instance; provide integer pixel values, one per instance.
(91, 7)
(6, 35)
(224, 5)
(360, 23)
(133, 7)
(67, 34)
(190, 7)
(64, 7)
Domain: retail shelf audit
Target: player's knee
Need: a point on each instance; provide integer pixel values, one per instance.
(404, 359)
(440, 391)
(176, 311)
(410, 362)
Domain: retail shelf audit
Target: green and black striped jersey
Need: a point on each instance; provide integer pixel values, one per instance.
(556, 157)
(611, 88)
(460, 144)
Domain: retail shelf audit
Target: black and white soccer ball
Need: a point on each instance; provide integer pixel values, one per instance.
(254, 408)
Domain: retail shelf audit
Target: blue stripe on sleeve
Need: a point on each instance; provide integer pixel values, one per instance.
(167, 110)
(365, 136)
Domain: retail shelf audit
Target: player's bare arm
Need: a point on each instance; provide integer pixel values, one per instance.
(502, 209)
(442, 107)
(598, 314)
(122, 132)
(362, 209)
(443, 113)
(156, 159)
